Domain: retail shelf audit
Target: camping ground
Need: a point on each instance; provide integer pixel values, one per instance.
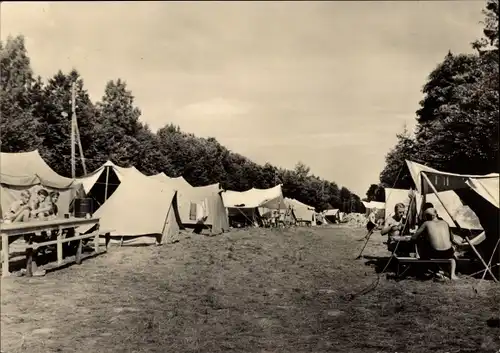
(257, 290)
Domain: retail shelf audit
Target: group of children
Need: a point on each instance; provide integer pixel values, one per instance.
(43, 206)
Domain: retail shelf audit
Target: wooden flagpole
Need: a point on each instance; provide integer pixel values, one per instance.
(75, 134)
(80, 146)
(73, 117)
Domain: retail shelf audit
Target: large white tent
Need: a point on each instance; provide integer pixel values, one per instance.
(301, 211)
(28, 171)
(254, 198)
(332, 215)
(247, 203)
(141, 211)
(478, 192)
(377, 206)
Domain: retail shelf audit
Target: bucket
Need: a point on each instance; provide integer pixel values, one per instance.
(82, 207)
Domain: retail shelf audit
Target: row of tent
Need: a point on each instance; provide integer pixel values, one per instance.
(133, 205)
(139, 208)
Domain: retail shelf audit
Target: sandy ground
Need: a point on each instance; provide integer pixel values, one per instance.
(246, 291)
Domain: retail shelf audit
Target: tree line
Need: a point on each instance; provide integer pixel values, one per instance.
(457, 122)
(37, 115)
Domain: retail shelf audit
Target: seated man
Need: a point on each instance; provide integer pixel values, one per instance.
(394, 227)
(19, 210)
(40, 208)
(439, 239)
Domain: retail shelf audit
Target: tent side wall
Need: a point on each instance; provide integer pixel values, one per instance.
(489, 216)
(217, 217)
(141, 210)
(217, 214)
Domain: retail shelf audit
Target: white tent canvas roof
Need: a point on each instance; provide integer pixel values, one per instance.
(488, 188)
(444, 181)
(29, 168)
(271, 198)
(301, 211)
(477, 191)
(374, 204)
(332, 212)
(447, 185)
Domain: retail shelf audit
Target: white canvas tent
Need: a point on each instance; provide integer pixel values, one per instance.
(476, 191)
(332, 215)
(28, 171)
(141, 211)
(254, 198)
(377, 206)
(198, 205)
(301, 211)
(247, 203)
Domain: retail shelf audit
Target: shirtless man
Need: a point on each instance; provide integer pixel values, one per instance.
(393, 227)
(438, 236)
(394, 224)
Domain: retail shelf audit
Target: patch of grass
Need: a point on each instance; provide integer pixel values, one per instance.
(251, 290)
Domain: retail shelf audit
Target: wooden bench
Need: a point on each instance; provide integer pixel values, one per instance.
(403, 260)
(35, 230)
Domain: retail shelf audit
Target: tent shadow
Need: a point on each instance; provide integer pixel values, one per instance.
(421, 272)
(48, 260)
(389, 266)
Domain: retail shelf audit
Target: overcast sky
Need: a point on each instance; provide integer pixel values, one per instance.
(326, 83)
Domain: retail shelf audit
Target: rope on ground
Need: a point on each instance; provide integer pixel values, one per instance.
(375, 283)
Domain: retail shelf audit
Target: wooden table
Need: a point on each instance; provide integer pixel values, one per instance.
(35, 229)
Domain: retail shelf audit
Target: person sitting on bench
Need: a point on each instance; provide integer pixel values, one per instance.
(438, 239)
(394, 227)
(19, 210)
(394, 224)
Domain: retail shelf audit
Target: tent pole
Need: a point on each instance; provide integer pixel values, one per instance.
(244, 215)
(106, 186)
(491, 258)
(78, 139)
(457, 225)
